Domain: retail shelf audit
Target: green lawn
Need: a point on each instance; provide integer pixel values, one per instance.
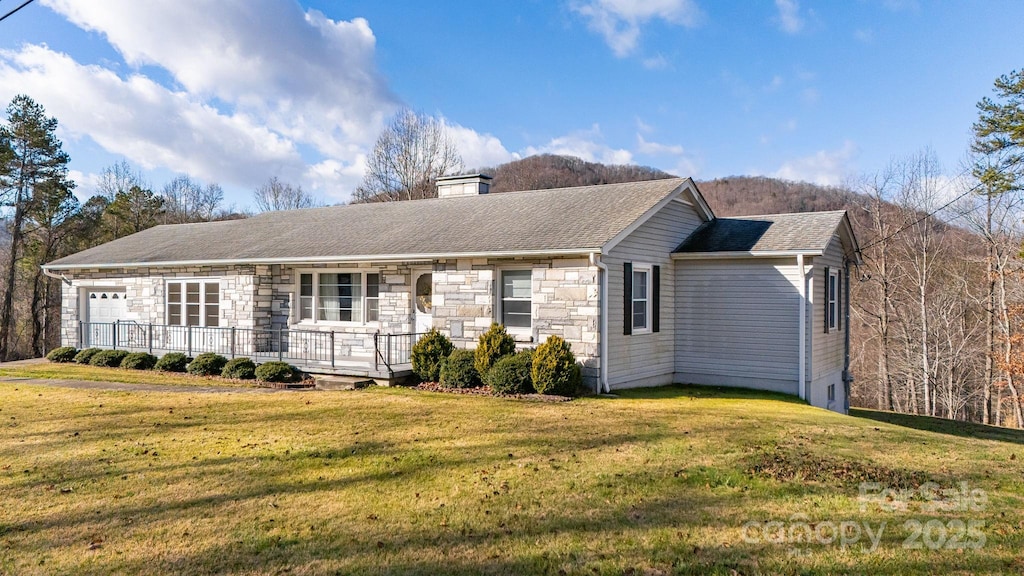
(659, 481)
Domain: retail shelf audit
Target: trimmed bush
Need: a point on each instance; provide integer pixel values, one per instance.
(554, 368)
(62, 355)
(277, 372)
(428, 354)
(173, 362)
(108, 358)
(493, 344)
(86, 355)
(207, 364)
(240, 369)
(458, 371)
(139, 361)
(511, 374)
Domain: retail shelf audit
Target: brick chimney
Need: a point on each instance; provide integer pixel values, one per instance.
(465, 185)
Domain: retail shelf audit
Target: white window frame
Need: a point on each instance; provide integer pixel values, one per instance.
(832, 297)
(316, 272)
(184, 300)
(500, 300)
(648, 298)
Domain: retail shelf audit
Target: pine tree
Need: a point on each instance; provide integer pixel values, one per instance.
(30, 154)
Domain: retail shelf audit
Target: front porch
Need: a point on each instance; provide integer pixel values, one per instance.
(382, 357)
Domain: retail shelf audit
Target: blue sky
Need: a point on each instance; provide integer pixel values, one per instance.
(236, 91)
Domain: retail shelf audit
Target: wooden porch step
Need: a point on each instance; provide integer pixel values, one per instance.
(335, 382)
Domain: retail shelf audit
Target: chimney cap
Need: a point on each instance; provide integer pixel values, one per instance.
(464, 177)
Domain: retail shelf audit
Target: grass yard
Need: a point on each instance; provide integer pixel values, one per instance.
(71, 371)
(660, 481)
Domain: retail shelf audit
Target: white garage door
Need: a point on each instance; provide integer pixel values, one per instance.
(106, 306)
(103, 309)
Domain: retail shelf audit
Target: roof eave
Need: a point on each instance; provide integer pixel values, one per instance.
(329, 259)
(744, 254)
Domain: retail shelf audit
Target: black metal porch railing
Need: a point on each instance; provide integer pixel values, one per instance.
(391, 350)
(309, 349)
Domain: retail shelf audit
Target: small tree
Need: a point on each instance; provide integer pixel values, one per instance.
(493, 344)
(554, 368)
(429, 353)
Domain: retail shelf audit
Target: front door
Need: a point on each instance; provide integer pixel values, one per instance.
(423, 291)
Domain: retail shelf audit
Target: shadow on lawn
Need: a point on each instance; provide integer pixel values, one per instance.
(694, 391)
(943, 426)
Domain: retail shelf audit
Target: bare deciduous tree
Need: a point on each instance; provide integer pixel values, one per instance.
(413, 151)
(185, 200)
(277, 195)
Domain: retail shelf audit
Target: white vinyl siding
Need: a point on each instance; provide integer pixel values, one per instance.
(826, 350)
(737, 322)
(647, 357)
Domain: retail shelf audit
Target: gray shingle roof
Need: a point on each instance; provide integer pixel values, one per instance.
(766, 233)
(581, 218)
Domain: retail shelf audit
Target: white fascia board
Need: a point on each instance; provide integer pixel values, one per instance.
(757, 254)
(331, 259)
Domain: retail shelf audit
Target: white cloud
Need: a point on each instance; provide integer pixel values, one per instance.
(478, 150)
(257, 87)
(656, 149)
(825, 167)
(619, 21)
(788, 18)
(86, 184)
(586, 144)
(141, 120)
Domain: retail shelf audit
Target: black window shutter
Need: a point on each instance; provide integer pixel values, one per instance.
(839, 300)
(656, 305)
(826, 298)
(627, 298)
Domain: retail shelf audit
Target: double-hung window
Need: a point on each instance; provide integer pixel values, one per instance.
(832, 311)
(193, 302)
(339, 296)
(516, 298)
(642, 298)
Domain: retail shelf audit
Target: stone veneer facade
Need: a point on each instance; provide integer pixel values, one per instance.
(565, 300)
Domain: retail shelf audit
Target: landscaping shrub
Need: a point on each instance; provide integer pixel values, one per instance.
(139, 361)
(240, 369)
(428, 354)
(86, 355)
(277, 372)
(207, 364)
(493, 344)
(63, 354)
(511, 374)
(108, 358)
(554, 368)
(458, 371)
(173, 362)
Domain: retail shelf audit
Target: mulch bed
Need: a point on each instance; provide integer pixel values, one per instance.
(484, 391)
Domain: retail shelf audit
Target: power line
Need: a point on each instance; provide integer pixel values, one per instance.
(23, 4)
(902, 229)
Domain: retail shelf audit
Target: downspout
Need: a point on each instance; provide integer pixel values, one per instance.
(602, 323)
(802, 330)
(60, 277)
(847, 377)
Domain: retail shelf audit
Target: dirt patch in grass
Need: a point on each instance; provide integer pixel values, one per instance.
(485, 391)
(789, 463)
